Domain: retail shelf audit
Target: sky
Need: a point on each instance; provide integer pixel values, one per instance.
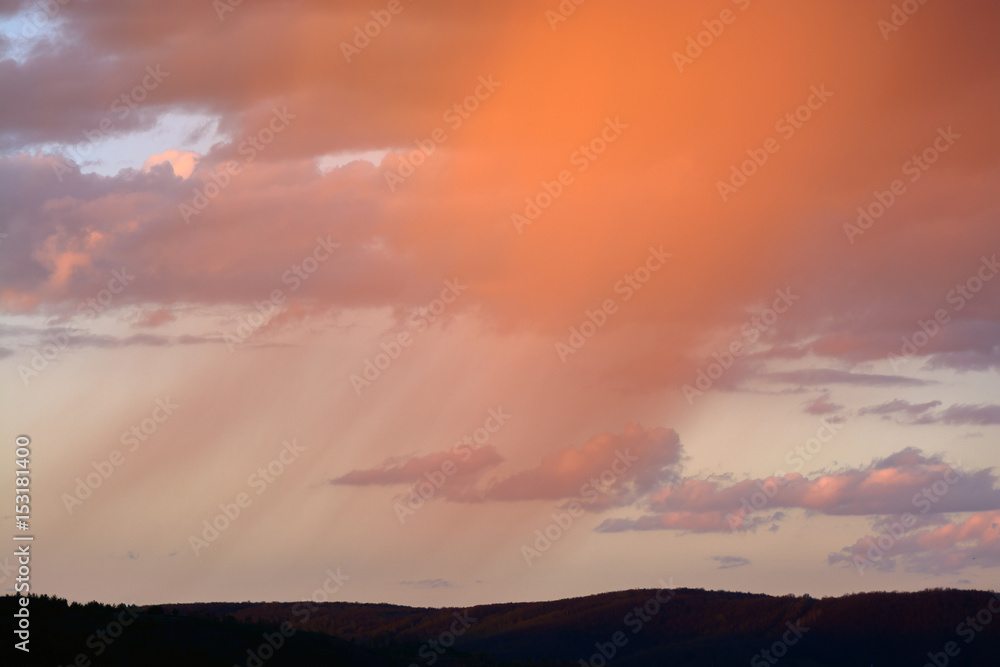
(447, 303)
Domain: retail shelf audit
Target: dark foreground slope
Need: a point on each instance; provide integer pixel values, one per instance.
(638, 627)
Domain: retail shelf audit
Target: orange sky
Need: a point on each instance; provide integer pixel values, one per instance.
(634, 231)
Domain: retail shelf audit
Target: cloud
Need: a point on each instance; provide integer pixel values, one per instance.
(619, 468)
(949, 547)
(74, 338)
(641, 468)
(686, 521)
(67, 230)
(891, 485)
(824, 376)
(905, 412)
(822, 406)
(727, 562)
(607, 470)
(182, 162)
(982, 415)
(67, 233)
(464, 462)
(429, 583)
(155, 318)
(899, 405)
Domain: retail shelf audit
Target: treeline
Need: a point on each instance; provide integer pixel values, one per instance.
(687, 627)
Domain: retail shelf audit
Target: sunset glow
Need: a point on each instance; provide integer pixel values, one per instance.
(490, 302)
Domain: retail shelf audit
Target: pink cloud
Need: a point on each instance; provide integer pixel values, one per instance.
(620, 467)
(607, 470)
(182, 162)
(960, 414)
(692, 522)
(630, 469)
(156, 317)
(948, 547)
(906, 481)
(466, 461)
(822, 406)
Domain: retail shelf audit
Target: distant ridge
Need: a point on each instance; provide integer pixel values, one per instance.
(684, 627)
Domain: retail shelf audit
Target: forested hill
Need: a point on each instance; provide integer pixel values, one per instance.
(637, 627)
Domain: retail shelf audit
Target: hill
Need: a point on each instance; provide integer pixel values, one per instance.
(684, 627)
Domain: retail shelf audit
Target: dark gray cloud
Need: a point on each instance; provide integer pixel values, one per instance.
(826, 376)
(904, 412)
(728, 562)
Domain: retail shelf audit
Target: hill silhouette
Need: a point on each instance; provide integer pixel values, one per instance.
(684, 627)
